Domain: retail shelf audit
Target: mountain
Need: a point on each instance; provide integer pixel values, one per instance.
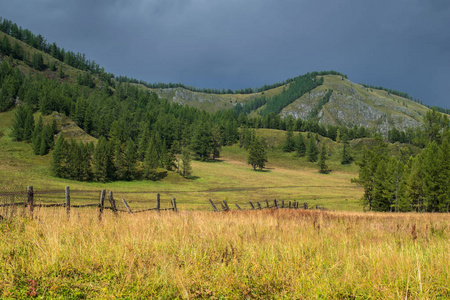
(335, 101)
(349, 104)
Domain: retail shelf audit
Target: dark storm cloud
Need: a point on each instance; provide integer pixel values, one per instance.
(402, 44)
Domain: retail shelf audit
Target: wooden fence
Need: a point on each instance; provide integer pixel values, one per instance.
(30, 203)
(266, 205)
(223, 205)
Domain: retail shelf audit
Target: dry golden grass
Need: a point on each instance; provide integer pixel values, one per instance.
(289, 254)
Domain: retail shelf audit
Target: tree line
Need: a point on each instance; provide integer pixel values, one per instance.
(393, 182)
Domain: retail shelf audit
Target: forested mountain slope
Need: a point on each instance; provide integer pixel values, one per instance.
(348, 104)
(352, 104)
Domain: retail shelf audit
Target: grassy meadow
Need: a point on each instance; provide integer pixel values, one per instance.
(277, 254)
(230, 178)
(342, 253)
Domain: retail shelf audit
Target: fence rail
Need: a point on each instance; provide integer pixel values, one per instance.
(30, 202)
(217, 207)
(276, 204)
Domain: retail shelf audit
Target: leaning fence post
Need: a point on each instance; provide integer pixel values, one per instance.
(213, 206)
(237, 206)
(30, 195)
(112, 201)
(259, 205)
(101, 205)
(126, 205)
(225, 205)
(68, 202)
(267, 203)
(251, 204)
(158, 202)
(174, 204)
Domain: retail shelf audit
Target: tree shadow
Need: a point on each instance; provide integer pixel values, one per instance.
(262, 170)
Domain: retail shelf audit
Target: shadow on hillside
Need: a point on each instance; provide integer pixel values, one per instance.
(263, 170)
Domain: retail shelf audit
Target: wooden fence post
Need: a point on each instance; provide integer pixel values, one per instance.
(251, 204)
(282, 203)
(290, 204)
(174, 204)
(267, 203)
(30, 201)
(158, 202)
(101, 205)
(213, 206)
(225, 204)
(237, 206)
(305, 205)
(275, 203)
(68, 202)
(112, 201)
(126, 205)
(259, 205)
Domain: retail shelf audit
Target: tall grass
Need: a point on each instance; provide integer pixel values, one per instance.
(249, 254)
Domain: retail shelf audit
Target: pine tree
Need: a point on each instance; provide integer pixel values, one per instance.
(57, 164)
(37, 62)
(186, 169)
(47, 140)
(23, 124)
(202, 141)
(130, 158)
(322, 160)
(216, 142)
(37, 136)
(300, 145)
(74, 160)
(257, 154)
(85, 173)
(143, 144)
(16, 51)
(433, 182)
(312, 150)
(383, 187)
(5, 46)
(444, 176)
(151, 159)
(28, 125)
(42, 146)
(289, 143)
(346, 157)
(168, 158)
(119, 162)
(414, 184)
(103, 161)
(367, 168)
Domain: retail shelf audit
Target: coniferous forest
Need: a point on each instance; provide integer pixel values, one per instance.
(141, 136)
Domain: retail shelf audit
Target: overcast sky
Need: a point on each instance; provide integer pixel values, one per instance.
(398, 44)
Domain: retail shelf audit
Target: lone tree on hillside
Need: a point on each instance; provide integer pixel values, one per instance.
(312, 149)
(257, 155)
(323, 157)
